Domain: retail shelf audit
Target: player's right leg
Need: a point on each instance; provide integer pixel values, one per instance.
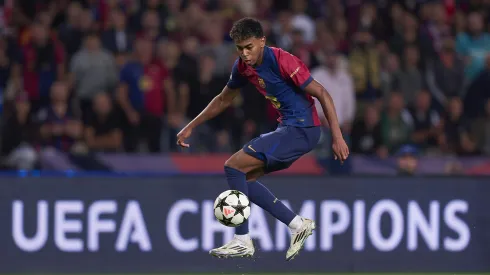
(237, 247)
(236, 169)
(300, 227)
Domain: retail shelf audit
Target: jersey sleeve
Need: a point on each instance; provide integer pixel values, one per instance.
(292, 68)
(236, 80)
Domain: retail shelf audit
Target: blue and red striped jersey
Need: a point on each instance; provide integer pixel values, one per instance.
(281, 78)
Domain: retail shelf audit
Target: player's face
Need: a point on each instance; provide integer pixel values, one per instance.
(250, 50)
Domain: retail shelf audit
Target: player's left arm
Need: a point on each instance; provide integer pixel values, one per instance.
(317, 90)
(294, 69)
(340, 148)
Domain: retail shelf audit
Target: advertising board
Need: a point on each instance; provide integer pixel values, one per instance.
(167, 225)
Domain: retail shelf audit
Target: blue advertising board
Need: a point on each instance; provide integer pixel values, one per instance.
(167, 225)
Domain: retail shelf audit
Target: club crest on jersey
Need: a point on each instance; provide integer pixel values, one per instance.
(261, 83)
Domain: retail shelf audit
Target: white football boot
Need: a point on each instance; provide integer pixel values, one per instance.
(298, 238)
(235, 248)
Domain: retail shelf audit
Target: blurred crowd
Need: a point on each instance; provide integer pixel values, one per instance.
(127, 75)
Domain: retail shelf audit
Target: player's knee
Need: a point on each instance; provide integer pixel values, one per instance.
(249, 176)
(242, 162)
(232, 163)
(254, 175)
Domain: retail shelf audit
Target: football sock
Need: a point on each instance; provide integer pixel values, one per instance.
(262, 197)
(244, 238)
(237, 181)
(295, 224)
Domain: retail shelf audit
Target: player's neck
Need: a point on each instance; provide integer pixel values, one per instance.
(260, 60)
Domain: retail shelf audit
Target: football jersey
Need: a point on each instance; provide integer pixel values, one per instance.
(281, 78)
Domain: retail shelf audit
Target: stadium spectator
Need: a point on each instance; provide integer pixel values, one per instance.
(434, 31)
(396, 123)
(477, 93)
(425, 121)
(182, 76)
(19, 136)
(384, 49)
(215, 43)
(409, 80)
(445, 75)
(390, 68)
(141, 97)
(117, 38)
(456, 137)
(265, 9)
(103, 132)
(370, 18)
(70, 32)
(201, 94)
(340, 86)
(340, 37)
(43, 63)
(407, 160)
(61, 127)
(92, 70)
(365, 67)
(301, 21)
(481, 131)
(300, 48)
(460, 22)
(366, 134)
(75, 30)
(282, 29)
(151, 26)
(406, 34)
(10, 77)
(5, 15)
(474, 45)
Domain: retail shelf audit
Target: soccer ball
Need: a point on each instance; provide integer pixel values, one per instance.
(232, 208)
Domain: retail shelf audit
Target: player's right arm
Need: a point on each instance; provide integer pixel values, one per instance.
(219, 103)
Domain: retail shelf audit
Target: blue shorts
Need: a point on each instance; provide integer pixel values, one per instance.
(280, 148)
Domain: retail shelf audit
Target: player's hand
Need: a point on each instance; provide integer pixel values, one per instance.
(340, 149)
(183, 135)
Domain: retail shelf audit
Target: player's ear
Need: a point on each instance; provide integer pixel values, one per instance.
(262, 42)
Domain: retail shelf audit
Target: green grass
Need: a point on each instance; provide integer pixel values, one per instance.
(245, 273)
(251, 273)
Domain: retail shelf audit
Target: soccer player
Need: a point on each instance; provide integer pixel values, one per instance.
(284, 80)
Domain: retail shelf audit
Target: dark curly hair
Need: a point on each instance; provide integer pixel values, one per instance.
(246, 28)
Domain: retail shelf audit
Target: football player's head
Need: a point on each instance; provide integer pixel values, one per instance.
(248, 35)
